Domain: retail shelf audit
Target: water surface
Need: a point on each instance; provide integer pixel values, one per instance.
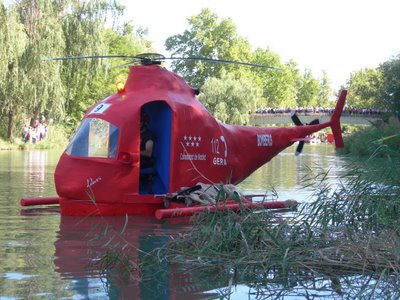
(47, 256)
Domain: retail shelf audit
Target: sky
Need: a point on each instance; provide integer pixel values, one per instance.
(338, 37)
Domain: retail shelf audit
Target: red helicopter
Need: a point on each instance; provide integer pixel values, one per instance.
(100, 170)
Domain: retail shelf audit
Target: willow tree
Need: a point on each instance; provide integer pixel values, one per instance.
(207, 37)
(83, 27)
(3, 57)
(13, 43)
(3, 45)
(42, 90)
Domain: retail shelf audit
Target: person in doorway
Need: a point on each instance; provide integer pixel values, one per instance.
(146, 143)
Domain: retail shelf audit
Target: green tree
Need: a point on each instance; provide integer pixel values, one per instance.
(365, 86)
(42, 90)
(207, 37)
(293, 83)
(277, 85)
(83, 26)
(326, 92)
(124, 40)
(228, 99)
(31, 30)
(3, 44)
(51, 29)
(309, 90)
(13, 42)
(390, 92)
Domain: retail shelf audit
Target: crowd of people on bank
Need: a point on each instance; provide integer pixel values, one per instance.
(35, 131)
(321, 110)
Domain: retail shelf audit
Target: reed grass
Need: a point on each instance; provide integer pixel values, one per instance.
(349, 231)
(343, 243)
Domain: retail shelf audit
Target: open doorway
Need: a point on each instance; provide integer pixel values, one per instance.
(159, 124)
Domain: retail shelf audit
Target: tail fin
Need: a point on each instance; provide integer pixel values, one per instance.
(335, 119)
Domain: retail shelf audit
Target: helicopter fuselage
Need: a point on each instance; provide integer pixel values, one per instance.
(100, 169)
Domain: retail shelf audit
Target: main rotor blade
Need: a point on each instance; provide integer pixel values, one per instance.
(224, 61)
(88, 56)
(155, 58)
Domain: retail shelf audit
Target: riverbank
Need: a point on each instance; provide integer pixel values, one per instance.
(55, 139)
(380, 139)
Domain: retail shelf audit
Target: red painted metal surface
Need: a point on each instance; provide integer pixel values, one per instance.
(70, 207)
(195, 147)
(190, 211)
(39, 201)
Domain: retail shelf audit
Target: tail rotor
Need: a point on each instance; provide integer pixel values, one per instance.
(297, 122)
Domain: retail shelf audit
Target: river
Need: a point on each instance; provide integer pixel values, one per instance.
(46, 256)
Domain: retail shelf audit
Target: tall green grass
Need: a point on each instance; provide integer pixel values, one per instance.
(345, 238)
(6, 145)
(344, 242)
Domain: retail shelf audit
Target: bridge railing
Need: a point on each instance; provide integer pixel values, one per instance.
(260, 119)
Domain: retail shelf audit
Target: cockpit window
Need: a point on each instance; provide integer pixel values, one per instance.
(94, 138)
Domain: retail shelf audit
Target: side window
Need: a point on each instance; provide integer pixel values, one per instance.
(94, 138)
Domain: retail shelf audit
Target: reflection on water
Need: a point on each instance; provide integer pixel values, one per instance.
(35, 169)
(285, 173)
(46, 256)
(81, 243)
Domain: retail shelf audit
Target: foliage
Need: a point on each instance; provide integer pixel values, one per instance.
(345, 241)
(6, 145)
(121, 41)
(33, 30)
(209, 37)
(83, 30)
(309, 90)
(13, 44)
(364, 200)
(377, 88)
(228, 99)
(381, 139)
(325, 94)
(391, 84)
(347, 236)
(364, 89)
(206, 37)
(56, 138)
(277, 86)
